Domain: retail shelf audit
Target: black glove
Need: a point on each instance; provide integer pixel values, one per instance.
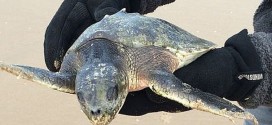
(74, 16)
(233, 72)
(224, 71)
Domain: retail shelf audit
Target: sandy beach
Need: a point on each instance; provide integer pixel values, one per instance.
(22, 27)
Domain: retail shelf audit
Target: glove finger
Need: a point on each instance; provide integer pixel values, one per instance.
(69, 22)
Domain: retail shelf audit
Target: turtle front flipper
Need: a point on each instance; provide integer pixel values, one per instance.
(58, 81)
(167, 85)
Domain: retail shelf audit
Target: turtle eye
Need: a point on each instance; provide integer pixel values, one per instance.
(112, 93)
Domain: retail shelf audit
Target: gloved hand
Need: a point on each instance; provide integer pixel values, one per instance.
(225, 71)
(233, 72)
(74, 16)
(240, 71)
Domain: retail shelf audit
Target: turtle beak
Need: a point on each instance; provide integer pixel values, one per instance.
(95, 115)
(97, 118)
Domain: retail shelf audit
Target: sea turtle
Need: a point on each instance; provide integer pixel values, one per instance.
(128, 52)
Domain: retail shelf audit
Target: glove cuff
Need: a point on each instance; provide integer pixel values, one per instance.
(147, 6)
(249, 66)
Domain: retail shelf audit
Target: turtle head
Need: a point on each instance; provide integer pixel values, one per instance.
(101, 89)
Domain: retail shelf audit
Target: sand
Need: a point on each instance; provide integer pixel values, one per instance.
(22, 27)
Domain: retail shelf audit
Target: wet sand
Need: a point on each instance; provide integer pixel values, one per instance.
(22, 27)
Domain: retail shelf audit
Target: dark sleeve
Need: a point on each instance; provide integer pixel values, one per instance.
(263, 17)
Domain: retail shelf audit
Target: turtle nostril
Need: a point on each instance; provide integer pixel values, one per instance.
(96, 112)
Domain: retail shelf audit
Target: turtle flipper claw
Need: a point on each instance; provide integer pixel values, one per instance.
(167, 85)
(57, 81)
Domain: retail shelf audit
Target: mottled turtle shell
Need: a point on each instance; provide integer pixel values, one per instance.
(135, 30)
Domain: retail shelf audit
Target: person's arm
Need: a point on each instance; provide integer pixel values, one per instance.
(262, 18)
